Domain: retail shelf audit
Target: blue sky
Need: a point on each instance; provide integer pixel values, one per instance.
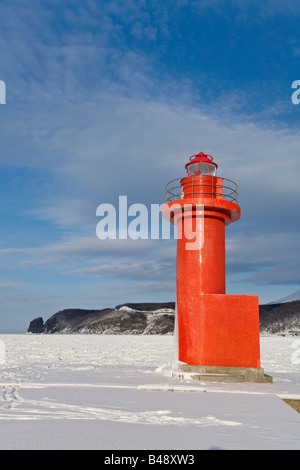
(111, 98)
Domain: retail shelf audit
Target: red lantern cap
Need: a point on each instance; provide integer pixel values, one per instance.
(201, 157)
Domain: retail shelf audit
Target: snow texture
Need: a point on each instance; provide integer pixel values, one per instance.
(108, 392)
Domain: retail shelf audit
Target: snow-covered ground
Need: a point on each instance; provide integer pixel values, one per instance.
(106, 392)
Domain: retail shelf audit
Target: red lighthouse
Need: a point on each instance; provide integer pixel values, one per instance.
(218, 334)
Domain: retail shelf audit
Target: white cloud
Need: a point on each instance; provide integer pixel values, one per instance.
(126, 269)
(89, 255)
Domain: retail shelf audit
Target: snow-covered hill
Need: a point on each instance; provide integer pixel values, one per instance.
(290, 298)
(281, 318)
(147, 319)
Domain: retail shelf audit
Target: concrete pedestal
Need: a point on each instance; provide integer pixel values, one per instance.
(222, 374)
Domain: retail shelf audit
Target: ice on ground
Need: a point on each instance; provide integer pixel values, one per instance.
(106, 392)
(162, 311)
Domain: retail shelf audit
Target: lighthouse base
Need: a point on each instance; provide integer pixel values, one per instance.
(222, 374)
(218, 330)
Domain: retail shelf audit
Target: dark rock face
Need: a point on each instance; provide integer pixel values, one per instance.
(153, 318)
(36, 325)
(72, 319)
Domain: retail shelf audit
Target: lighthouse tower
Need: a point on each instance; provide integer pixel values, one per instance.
(218, 334)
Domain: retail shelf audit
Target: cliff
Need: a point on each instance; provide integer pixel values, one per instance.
(155, 318)
(152, 319)
(280, 318)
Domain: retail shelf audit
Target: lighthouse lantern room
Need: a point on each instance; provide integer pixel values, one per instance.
(201, 164)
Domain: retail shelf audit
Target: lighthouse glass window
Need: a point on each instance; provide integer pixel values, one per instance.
(202, 168)
(213, 169)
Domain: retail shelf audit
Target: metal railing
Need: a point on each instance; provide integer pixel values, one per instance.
(209, 187)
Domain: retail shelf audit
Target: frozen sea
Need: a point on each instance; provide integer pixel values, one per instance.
(108, 392)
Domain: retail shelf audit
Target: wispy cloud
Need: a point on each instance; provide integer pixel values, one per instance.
(265, 258)
(7, 285)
